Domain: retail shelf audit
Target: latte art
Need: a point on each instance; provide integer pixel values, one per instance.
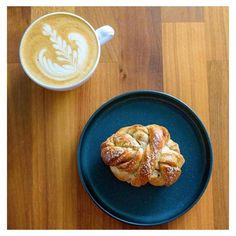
(59, 50)
(74, 59)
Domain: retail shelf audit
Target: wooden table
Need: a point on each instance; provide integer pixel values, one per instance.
(181, 51)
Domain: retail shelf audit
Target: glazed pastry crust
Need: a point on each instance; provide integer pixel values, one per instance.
(140, 154)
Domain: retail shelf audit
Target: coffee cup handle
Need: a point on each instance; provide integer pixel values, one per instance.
(105, 34)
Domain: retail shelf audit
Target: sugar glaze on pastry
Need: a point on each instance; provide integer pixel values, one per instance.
(141, 154)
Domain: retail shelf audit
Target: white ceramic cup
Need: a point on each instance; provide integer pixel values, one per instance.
(103, 35)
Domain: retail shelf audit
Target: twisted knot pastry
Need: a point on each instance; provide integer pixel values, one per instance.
(140, 154)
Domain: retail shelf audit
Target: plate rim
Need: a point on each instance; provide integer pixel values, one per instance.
(154, 93)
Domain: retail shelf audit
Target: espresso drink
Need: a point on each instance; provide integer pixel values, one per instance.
(59, 50)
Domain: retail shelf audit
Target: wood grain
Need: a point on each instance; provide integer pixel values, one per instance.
(182, 51)
(217, 72)
(217, 33)
(182, 14)
(14, 34)
(217, 46)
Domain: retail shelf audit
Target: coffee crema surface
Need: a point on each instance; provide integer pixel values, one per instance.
(59, 50)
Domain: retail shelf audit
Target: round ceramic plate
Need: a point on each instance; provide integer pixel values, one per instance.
(146, 205)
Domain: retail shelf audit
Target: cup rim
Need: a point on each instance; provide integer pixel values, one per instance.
(66, 87)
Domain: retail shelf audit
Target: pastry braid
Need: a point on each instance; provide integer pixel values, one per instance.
(140, 154)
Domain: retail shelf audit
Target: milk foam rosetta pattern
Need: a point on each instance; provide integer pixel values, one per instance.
(72, 59)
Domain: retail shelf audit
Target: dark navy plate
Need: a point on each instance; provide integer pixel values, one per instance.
(146, 205)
